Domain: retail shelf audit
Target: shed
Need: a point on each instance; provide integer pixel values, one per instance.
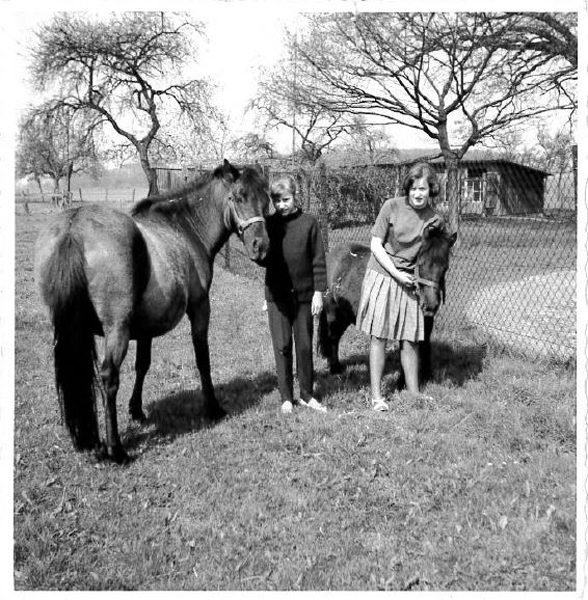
(488, 186)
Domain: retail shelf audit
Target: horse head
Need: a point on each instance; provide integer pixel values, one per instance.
(432, 264)
(246, 206)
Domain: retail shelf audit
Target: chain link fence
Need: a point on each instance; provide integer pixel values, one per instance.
(512, 276)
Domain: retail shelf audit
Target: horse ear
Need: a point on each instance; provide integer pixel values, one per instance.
(227, 171)
(429, 229)
(453, 238)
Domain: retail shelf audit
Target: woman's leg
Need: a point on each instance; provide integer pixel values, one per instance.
(377, 362)
(409, 359)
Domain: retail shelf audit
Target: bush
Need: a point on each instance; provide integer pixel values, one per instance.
(354, 195)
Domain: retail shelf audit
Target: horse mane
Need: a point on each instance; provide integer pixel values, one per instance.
(432, 247)
(174, 201)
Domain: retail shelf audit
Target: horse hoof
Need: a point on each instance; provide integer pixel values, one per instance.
(118, 455)
(114, 453)
(216, 413)
(139, 416)
(337, 369)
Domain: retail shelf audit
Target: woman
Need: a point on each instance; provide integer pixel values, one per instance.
(388, 307)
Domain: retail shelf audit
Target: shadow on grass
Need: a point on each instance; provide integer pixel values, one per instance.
(451, 363)
(183, 412)
(456, 363)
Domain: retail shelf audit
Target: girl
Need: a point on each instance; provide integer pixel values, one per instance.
(295, 280)
(388, 307)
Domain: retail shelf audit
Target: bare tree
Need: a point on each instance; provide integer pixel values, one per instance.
(56, 143)
(210, 145)
(550, 38)
(421, 71)
(128, 70)
(364, 144)
(253, 146)
(283, 102)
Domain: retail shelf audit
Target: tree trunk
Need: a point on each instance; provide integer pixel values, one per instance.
(38, 180)
(69, 176)
(452, 166)
(150, 173)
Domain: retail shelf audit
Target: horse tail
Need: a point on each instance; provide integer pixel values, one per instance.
(323, 337)
(65, 291)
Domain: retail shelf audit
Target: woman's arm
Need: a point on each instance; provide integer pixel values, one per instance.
(378, 250)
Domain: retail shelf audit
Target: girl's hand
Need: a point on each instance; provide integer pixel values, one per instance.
(317, 303)
(406, 279)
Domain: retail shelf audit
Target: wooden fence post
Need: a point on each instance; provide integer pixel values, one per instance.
(25, 202)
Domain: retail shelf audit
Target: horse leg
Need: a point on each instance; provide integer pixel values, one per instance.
(115, 348)
(142, 364)
(199, 316)
(425, 351)
(335, 366)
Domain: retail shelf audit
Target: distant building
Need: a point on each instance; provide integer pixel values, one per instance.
(488, 186)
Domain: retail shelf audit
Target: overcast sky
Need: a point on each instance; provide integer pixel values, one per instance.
(231, 56)
(242, 35)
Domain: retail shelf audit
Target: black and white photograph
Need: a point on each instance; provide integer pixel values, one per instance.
(294, 297)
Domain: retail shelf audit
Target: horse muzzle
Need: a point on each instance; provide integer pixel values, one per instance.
(256, 242)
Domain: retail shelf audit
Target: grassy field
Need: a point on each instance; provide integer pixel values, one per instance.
(474, 491)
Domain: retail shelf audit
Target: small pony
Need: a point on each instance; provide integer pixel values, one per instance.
(133, 277)
(346, 267)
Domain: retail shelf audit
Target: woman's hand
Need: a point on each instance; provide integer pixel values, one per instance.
(405, 279)
(317, 303)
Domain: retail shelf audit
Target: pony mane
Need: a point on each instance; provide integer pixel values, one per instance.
(435, 247)
(175, 201)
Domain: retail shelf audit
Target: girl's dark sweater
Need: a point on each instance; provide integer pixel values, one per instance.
(295, 264)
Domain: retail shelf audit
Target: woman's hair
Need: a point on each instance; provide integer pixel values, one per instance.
(286, 184)
(417, 171)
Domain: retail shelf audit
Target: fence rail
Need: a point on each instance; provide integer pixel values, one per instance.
(50, 201)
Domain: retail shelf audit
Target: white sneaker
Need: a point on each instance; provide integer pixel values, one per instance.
(286, 407)
(314, 404)
(380, 405)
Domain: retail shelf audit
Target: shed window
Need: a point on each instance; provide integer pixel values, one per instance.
(475, 190)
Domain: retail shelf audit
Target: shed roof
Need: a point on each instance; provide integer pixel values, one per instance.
(472, 157)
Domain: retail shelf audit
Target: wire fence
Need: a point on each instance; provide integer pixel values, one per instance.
(512, 277)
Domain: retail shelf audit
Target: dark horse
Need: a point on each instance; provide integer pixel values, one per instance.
(346, 267)
(133, 277)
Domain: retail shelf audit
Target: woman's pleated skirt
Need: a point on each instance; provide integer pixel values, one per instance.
(388, 310)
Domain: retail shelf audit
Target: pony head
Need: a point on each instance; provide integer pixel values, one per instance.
(247, 205)
(432, 264)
